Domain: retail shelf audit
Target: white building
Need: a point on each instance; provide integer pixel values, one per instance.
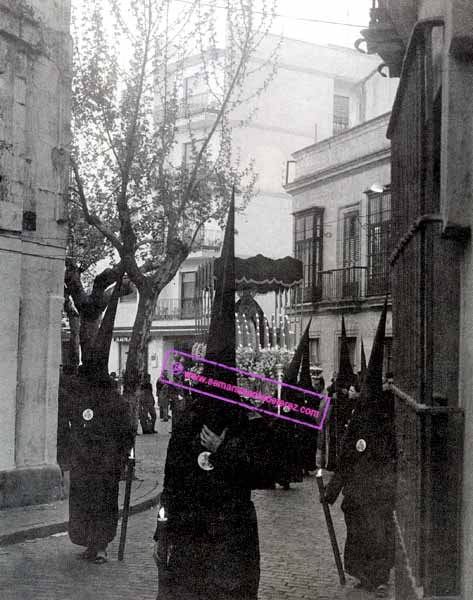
(342, 218)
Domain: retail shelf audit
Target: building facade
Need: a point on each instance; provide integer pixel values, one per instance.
(317, 91)
(430, 45)
(342, 222)
(35, 73)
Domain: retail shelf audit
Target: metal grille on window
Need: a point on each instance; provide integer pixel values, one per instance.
(341, 113)
(187, 294)
(379, 230)
(351, 280)
(308, 235)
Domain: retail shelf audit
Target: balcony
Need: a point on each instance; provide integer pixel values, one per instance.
(349, 283)
(173, 309)
(382, 38)
(208, 239)
(197, 104)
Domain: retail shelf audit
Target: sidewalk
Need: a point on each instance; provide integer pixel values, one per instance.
(31, 522)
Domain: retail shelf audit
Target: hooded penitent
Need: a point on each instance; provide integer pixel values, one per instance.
(365, 429)
(343, 404)
(101, 433)
(366, 475)
(291, 376)
(213, 549)
(293, 437)
(221, 343)
(298, 373)
(345, 375)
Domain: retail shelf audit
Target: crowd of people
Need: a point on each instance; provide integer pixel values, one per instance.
(206, 539)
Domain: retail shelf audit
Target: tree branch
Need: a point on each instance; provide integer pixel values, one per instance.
(89, 217)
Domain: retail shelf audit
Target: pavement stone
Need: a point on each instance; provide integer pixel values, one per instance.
(296, 556)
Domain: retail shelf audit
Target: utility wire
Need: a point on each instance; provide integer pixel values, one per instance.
(281, 16)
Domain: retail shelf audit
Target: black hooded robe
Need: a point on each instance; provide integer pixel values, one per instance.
(212, 549)
(367, 480)
(101, 435)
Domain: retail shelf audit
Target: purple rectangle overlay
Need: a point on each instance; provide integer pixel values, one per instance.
(171, 363)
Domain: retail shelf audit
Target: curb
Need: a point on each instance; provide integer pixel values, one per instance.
(42, 531)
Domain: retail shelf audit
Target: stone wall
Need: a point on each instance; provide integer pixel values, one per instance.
(35, 75)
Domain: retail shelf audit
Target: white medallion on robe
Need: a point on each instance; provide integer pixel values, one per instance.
(203, 461)
(361, 445)
(88, 414)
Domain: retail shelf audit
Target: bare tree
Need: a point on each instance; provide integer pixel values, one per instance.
(131, 57)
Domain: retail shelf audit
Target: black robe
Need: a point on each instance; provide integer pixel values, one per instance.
(101, 435)
(211, 550)
(367, 480)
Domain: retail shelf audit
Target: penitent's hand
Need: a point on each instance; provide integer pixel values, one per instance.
(210, 440)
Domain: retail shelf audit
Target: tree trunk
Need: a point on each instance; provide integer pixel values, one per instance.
(135, 366)
(88, 331)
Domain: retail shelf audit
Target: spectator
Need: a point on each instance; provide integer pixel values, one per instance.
(165, 396)
(147, 410)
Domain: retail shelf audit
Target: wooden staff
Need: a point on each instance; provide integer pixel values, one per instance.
(331, 530)
(126, 503)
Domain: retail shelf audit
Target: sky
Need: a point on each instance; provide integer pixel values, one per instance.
(296, 15)
(298, 19)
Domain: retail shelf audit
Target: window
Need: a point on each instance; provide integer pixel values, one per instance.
(379, 229)
(341, 113)
(348, 282)
(351, 238)
(187, 294)
(308, 236)
(315, 351)
(190, 151)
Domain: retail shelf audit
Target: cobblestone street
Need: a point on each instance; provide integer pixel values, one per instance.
(297, 561)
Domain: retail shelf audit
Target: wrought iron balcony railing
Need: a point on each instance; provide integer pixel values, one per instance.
(172, 309)
(196, 104)
(343, 284)
(349, 283)
(208, 239)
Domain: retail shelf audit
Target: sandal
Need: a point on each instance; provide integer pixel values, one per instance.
(100, 558)
(382, 591)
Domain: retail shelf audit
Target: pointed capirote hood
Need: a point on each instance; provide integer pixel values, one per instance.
(365, 430)
(345, 375)
(291, 374)
(305, 380)
(373, 383)
(221, 340)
